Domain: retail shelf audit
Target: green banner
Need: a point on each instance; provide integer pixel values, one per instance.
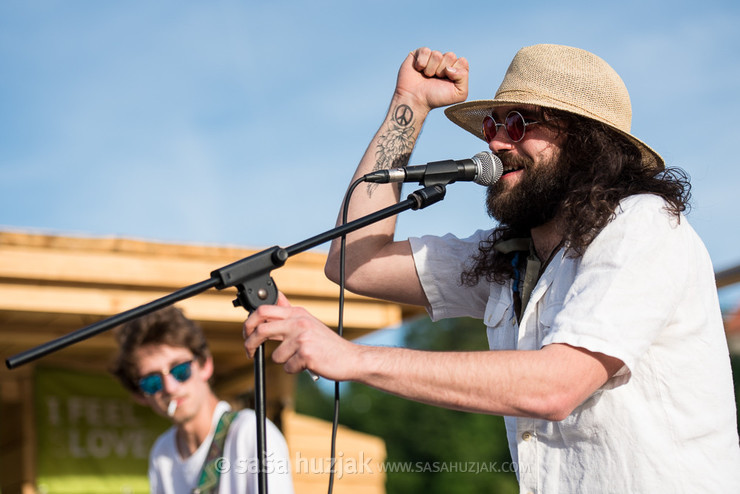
(91, 436)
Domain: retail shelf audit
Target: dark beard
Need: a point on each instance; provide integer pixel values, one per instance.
(535, 200)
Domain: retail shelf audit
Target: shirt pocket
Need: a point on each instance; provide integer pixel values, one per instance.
(501, 325)
(546, 320)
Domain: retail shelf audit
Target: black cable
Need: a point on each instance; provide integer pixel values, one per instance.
(340, 325)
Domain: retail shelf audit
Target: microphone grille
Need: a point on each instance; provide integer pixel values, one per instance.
(490, 168)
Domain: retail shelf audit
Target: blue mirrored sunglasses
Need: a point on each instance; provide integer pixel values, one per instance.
(154, 382)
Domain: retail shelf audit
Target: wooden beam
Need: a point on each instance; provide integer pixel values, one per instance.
(727, 277)
(96, 302)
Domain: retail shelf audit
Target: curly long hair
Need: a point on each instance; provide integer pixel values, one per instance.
(603, 167)
(168, 326)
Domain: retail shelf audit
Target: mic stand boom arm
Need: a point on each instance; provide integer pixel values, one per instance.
(255, 287)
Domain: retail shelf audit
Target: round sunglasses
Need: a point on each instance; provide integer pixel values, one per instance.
(154, 382)
(514, 124)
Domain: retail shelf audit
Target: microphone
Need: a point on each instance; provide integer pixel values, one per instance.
(485, 168)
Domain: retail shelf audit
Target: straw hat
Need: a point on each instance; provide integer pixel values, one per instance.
(563, 78)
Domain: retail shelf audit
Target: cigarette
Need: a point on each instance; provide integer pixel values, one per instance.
(171, 408)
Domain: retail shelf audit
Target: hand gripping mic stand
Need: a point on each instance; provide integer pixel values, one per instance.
(255, 287)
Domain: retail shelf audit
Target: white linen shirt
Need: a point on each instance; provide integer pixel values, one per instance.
(169, 473)
(643, 292)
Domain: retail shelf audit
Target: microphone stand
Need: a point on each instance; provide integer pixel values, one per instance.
(255, 287)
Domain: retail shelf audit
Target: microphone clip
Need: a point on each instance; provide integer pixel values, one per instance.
(427, 196)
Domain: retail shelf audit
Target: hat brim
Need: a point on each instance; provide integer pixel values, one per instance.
(469, 116)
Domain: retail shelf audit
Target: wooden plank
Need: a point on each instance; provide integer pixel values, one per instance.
(212, 306)
(126, 269)
(159, 265)
(358, 457)
(728, 277)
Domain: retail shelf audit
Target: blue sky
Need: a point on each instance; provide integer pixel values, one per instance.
(240, 123)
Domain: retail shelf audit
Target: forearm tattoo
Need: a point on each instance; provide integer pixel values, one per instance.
(395, 146)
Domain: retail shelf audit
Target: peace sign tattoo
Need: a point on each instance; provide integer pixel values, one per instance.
(403, 115)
